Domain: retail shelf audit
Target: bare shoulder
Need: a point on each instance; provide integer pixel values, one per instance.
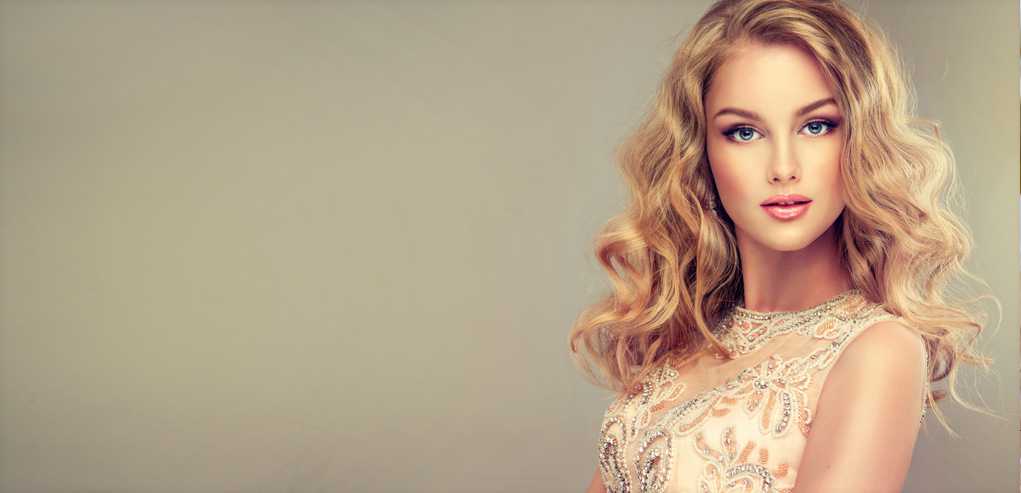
(867, 416)
(878, 379)
(886, 349)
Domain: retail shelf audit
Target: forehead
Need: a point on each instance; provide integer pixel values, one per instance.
(767, 77)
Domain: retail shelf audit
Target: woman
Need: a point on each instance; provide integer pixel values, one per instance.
(779, 309)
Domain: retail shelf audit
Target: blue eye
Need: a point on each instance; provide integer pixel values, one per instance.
(744, 134)
(820, 125)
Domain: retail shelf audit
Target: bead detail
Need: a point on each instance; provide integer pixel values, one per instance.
(640, 444)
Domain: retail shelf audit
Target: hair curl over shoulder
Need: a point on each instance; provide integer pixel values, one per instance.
(674, 267)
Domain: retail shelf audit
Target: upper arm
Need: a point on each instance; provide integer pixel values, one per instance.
(596, 485)
(867, 417)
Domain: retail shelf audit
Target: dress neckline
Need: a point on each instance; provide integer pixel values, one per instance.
(743, 331)
(741, 312)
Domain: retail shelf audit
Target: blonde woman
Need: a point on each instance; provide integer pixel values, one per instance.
(779, 303)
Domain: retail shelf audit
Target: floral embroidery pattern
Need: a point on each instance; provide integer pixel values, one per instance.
(727, 471)
(638, 441)
(744, 331)
(777, 390)
(690, 414)
(661, 388)
(613, 438)
(653, 461)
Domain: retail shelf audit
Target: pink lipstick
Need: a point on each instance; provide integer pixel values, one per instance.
(786, 207)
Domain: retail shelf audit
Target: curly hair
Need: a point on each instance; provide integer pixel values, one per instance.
(674, 267)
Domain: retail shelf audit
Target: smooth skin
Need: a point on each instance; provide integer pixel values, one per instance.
(774, 128)
(760, 144)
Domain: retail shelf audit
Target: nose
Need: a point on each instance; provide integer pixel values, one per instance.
(784, 168)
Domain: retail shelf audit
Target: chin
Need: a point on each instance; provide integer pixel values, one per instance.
(789, 246)
(788, 241)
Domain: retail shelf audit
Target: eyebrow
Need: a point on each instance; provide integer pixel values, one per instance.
(755, 116)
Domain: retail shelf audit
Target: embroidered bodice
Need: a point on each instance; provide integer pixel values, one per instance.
(712, 424)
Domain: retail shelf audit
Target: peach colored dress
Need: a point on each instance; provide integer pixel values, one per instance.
(715, 425)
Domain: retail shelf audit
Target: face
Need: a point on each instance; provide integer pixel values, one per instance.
(774, 129)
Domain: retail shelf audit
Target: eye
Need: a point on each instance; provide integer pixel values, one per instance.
(743, 134)
(820, 127)
(816, 128)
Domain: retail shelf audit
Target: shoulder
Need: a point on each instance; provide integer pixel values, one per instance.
(868, 412)
(879, 371)
(877, 363)
(890, 342)
(881, 353)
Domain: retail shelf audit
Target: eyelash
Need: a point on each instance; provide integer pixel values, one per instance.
(730, 133)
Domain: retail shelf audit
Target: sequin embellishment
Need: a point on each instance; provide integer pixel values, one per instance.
(654, 438)
(662, 387)
(727, 471)
(611, 456)
(653, 462)
(776, 390)
(745, 331)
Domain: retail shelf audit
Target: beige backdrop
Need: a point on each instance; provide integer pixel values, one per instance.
(313, 246)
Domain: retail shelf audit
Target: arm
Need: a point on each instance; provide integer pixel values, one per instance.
(867, 419)
(596, 486)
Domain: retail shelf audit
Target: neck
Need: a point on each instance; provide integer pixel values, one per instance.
(792, 280)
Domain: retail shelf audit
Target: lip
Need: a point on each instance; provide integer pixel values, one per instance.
(787, 212)
(790, 197)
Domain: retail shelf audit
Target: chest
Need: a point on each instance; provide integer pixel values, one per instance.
(709, 428)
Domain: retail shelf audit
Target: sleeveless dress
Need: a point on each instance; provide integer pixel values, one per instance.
(715, 425)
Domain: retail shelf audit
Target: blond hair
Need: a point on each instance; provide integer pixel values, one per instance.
(674, 266)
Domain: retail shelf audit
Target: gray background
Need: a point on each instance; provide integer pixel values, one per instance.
(338, 246)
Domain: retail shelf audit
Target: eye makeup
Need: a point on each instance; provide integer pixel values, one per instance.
(830, 125)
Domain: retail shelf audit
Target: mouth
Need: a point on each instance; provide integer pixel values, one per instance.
(786, 210)
(786, 200)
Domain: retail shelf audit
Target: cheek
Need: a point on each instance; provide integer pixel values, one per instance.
(828, 159)
(727, 181)
(732, 179)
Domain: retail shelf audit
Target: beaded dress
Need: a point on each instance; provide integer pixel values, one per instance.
(715, 425)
